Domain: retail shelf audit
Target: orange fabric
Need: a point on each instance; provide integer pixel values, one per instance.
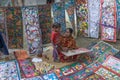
(21, 54)
(70, 43)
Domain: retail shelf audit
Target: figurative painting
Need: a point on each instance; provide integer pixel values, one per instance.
(70, 9)
(59, 14)
(32, 29)
(94, 18)
(9, 70)
(14, 27)
(45, 22)
(82, 16)
(108, 20)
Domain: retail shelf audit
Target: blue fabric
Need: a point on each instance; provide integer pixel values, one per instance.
(3, 47)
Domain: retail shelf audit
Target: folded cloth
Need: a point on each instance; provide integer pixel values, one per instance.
(36, 60)
(21, 54)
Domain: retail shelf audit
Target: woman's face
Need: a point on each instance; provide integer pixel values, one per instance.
(67, 33)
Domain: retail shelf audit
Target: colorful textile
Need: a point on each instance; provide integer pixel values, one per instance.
(3, 28)
(50, 76)
(72, 69)
(43, 67)
(70, 9)
(9, 70)
(79, 75)
(82, 16)
(33, 32)
(108, 20)
(118, 14)
(21, 54)
(28, 68)
(112, 63)
(118, 18)
(45, 21)
(94, 77)
(14, 27)
(34, 78)
(100, 49)
(59, 14)
(58, 73)
(107, 74)
(94, 18)
(6, 3)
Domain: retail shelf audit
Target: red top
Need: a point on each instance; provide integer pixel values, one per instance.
(54, 37)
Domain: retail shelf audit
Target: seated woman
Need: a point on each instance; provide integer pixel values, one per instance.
(67, 42)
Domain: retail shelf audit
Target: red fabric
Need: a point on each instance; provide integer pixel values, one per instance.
(54, 37)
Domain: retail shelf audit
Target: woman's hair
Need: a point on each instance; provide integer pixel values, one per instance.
(56, 25)
(71, 30)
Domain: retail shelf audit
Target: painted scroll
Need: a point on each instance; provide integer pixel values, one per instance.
(45, 21)
(59, 14)
(14, 27)
(82, 16)
(33, 32)
(112, 63)
(108, 20)
(3, 28)
(118, 18)
(94, 18)
(9, 70)
(70, 9)
(107, 74)
(6, 3)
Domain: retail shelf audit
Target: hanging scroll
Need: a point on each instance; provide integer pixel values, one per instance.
(69, 6)
(45, 21)
(59, 14)
(14, 27)
(94, 18)
(118, 18)
(108, 20)
(3, 28)
(9, 70)
(6, 3)
(82, 16)
(33, 32)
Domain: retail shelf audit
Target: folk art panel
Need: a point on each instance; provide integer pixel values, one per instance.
(9, 70)
(108, 20)
(59, 14)
(112, 63)
(82, 16)
(70, 9)
(45, 22)
(14, 27)
(32, 29)
(107, 74)
(94, 18)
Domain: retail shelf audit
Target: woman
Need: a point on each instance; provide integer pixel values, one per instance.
(67, 42)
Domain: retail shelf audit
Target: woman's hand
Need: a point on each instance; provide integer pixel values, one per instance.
(65, 49)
